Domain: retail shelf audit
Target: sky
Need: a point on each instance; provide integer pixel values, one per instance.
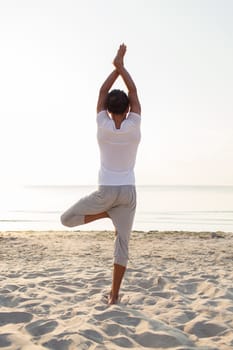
(56, 54)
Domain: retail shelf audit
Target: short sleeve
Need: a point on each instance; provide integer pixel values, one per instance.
(102, 118)
(134, 118)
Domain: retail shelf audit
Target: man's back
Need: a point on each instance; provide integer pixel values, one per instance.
(118, 149)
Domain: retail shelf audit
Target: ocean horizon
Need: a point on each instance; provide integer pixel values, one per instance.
(159, 208)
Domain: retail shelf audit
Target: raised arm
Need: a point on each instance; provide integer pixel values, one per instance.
(132, 89)
(101, 104)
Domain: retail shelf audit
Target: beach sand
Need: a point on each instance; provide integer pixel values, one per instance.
(177, 292)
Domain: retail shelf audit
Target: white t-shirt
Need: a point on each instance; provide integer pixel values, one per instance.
(118, 149)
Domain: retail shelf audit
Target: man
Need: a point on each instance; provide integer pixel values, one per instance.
(118, 122)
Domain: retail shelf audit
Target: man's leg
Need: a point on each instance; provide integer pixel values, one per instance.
(93, 217)
(72, 220)
(118, 270)
(87, 209)
(118, 273)
(119, 266)
(122, 217)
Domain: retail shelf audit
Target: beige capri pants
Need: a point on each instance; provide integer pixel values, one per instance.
(120, 204)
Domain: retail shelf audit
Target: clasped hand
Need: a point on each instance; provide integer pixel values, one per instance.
(119, 59)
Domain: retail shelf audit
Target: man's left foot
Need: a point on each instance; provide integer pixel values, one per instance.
(112, 299)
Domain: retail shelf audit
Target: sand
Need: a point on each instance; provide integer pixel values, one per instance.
(177, 292)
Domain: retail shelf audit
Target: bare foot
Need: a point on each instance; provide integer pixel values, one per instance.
(112, 299)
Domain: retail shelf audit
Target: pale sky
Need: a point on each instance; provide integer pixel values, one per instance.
(56, 54)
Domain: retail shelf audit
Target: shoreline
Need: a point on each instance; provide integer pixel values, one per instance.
(177, 292)
(133, 232)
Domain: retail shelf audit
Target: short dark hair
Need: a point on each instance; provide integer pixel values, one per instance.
(117, 102)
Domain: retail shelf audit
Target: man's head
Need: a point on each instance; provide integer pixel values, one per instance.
(117, 102)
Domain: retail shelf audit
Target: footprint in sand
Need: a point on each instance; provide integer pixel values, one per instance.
(8, 288)
(110, 315)
(161, 340)
(113, 329)
(4, 341)
(58, 344)
(204, 329)
(63, 289)
(181, 317)
(32, 275)
(119, 317)
(14, 317)
(11, 301)
(123, 342)
(91, 334)
(165, 295)
(53, 270)
(41, 327)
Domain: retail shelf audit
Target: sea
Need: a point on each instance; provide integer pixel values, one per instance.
(159, 208)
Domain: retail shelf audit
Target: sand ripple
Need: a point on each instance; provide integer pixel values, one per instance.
(177, 293)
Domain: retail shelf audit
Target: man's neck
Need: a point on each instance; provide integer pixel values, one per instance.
(118, 119)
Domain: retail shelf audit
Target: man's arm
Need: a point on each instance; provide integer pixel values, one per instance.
(132, 89)
(101, 104)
